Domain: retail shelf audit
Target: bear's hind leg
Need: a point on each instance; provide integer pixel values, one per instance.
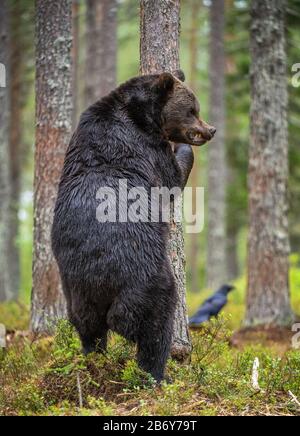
(91, 326)
(121, 317)
(154, 344)
(147, 319)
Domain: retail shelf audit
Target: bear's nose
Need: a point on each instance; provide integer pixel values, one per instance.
(212, 131)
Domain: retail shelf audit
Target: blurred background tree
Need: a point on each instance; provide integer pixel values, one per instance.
(20, 47)
(217, 163)
(5, 284)
(101, 49)
(195, 55)
(268, 291)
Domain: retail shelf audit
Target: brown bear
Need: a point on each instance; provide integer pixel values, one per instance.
(116, 274)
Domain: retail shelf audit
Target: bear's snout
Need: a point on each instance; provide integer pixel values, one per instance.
(200, 133)
(206, 130)
(212, 131)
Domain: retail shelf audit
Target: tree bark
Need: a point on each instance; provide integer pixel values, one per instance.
(101, 48)
(15, 142)
(194, 52)
(5, 291)
(75, 60)
(159, 51)
(268, 300)
(54, 120)
(216, 245)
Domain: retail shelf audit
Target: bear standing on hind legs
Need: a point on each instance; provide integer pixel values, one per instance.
(116, 273)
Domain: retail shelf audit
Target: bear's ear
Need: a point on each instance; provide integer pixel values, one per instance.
(179, 74)
(164, 83)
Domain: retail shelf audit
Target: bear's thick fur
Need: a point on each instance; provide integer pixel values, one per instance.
(116, 275)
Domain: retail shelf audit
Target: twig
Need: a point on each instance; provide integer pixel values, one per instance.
(117, 383)
(79, 392)
(255, 375)
(193, 405)
(125, 394)
(294, 398)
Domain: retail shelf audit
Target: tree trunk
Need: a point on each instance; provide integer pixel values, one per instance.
(268, 299)
(75, 60)
(233, 269)
(5, 291)
(159, 51)
(216, 245)
(194, 240)
(54, 119)
(101, 49)
(15, 142)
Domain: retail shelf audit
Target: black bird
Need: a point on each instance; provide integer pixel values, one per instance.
(212, 306)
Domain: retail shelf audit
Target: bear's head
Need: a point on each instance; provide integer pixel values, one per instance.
(181, 120)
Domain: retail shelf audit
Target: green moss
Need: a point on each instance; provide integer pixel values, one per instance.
(216, 381)
(14, 315)
(134, 378)
(45, 377)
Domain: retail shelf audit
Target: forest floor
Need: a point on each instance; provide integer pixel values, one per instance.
(49, 376)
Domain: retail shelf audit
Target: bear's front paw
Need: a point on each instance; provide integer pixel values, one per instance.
(183, 148)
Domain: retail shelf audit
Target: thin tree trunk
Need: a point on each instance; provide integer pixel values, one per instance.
(159, 51)
(216, 244)
(232, 217)
(101, 49)
(268, 299)
(15, 139)
(194, 241)
(75, 60)
(5, 292)
(232, 253)
(54, 119)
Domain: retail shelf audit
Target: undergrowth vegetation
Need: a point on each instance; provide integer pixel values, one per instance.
(50, 376)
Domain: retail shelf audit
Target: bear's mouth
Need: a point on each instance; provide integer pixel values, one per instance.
(196, 138)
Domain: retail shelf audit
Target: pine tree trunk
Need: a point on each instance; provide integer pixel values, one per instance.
(159, 50)
(15, 143)
(54, 119)
(216, 244)
(75, 60)
(194, 177)
(5, 291)
(268, 249)
(101, 49)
